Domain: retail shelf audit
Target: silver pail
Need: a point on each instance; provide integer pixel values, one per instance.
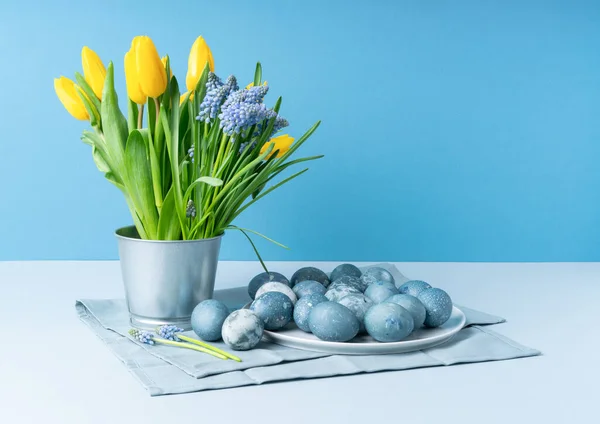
(165, 280)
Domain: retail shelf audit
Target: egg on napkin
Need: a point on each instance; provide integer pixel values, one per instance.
(207, 319)
(242, 330)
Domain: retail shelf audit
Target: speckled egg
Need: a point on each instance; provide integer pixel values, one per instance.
(274, 308)
(438, 306)
(277, 287)
(413, 287)
(263, 278)
(380, 291)
(303, 308)
(242, 330)
(340, 291)
(388, 322)
(358, 304)
(207, 319)
(349, 280)
(345, 269)
(310, 273)
(412, 305)
(378, 274)
(333, 322)
(307, 287)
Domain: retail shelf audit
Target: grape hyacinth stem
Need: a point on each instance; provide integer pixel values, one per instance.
(190, 346)
(206, 345)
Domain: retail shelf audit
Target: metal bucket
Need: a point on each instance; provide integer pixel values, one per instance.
(165, 280)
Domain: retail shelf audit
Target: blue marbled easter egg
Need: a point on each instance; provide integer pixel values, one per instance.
(413, 287)
(242, 330)
(307, 287)
(348, 280)
(388, 322)
(412, 305)
(310, 273)
(274, 308)
(345, 269)
(263, 278)
(380, 291)
(438, 306)
(377, 273)
(303, 308)
(359, 304)
(340, 291)
(207, 319)
(333, 322)
(277, 287)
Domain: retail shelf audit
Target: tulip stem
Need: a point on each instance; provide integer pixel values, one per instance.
(156, 102)
(140, 117)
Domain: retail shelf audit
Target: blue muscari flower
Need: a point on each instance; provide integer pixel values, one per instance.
(243, 109)
(168, 332)
(216, 94)
(142, 336)
(280, 123)
(190, 209)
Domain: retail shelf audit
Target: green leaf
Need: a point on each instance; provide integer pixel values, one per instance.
(258, 234)
(258, 74)
(114, 124)
(257, 198)
(90, 101)
(211, 181)
(139, 181)
(155, 169)
(253, 246)
(151, 116)
(171, 127)
(99, 160)
(168, 222)
(133, 113)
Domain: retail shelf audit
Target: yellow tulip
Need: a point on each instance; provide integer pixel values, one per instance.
(182, 97)
(282, 143)
(66, 90)
(151, 72)
(200, 54)
(134, 91)
(249, 86)
(94, 71)
(164, 62)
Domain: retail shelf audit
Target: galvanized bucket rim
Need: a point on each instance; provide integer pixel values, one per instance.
(118, 235)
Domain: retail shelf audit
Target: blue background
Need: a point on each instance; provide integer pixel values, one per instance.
(453, 130)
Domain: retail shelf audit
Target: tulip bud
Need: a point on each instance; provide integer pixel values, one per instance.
(183, 96)
(94, 71)
(200, 54)
(66, 90)
(134, 91)
(164, 62)
(151, 72)
(282, 143)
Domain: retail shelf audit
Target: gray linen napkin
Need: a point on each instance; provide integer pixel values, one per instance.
(168, 370)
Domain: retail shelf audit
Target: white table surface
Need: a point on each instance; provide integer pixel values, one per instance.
(53, 369)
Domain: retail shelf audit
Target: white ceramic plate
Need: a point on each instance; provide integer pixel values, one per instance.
(422, 338)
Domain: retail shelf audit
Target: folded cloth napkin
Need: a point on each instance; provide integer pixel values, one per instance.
(167, 370)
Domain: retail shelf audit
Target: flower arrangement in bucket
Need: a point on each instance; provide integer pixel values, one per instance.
(188, 164)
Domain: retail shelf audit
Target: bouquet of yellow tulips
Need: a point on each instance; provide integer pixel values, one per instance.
(188, 164)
